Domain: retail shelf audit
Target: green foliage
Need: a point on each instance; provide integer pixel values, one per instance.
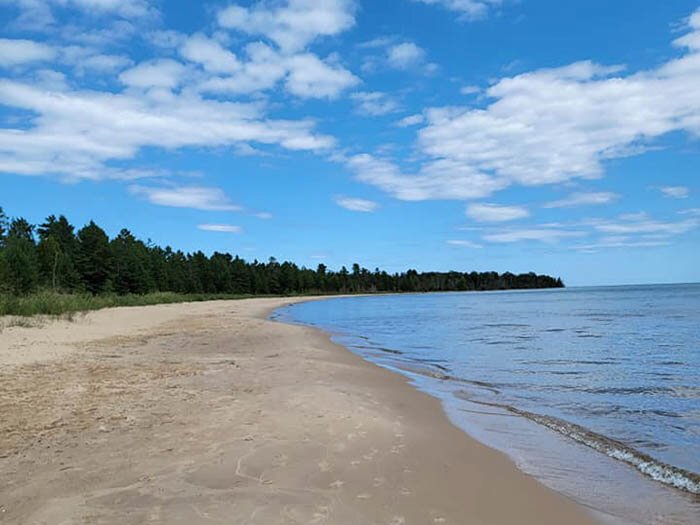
(52, 303)
(56, 252)
(93, 259)
(67, 272)
(19, 268)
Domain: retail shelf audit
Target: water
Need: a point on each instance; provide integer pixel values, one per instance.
(561, 380)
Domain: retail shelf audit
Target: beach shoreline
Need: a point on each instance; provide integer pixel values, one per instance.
(212, 413)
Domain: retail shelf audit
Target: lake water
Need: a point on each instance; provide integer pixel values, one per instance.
(595, 391)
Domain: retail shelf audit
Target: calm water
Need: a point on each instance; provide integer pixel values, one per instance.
(561, 380)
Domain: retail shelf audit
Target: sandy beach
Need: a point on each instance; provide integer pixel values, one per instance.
(209, 413)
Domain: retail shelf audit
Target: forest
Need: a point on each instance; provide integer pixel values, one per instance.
(53, 256)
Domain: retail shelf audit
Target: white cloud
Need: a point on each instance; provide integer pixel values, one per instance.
(305, 74)
(163, 73)
(619, 242)
(374, 103)
(583, 199)
(195, 197)
(311, 77)
(644, 225)
(464, 244)
(39, 13)
(17, 51)
(631, 230)
(103, 63)
(553, 125)
(292, 24)
(126, 8)
(263, 215)
(210, 54)
(222, 228)
(50, 79)
(470, 90)
(546, 235)
(388, 52)
(547, 126)
(354, 204)
(495, 213)
(637, 230)
(82, 59)
(411, 120)
(437, 181)
(262, 70)
(405, 56)
(76, 132)
(467, 9)
(676, 192)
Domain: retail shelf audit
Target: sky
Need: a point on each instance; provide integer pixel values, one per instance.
(507, 135)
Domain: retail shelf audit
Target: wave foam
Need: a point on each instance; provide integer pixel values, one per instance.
(653, 468)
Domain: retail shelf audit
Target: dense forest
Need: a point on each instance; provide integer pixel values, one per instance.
(53, 256)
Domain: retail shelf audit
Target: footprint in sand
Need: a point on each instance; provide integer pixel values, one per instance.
(322, 514)
(370, 456)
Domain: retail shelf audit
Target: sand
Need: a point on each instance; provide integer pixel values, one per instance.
(209, 413)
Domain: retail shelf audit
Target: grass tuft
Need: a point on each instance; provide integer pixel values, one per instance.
(68, 305)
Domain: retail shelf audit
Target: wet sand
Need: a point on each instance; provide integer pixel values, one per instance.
(210, 413)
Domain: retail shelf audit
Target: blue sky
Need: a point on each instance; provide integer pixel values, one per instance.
(559, 137)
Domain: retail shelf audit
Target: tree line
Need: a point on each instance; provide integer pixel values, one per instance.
(53, 256)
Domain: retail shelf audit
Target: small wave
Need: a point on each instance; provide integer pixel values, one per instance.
(380, 348)
(441, 373)
(655, 469)
(551, 362)
(506, 325)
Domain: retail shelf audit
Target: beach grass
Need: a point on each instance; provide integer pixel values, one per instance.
(63, 304)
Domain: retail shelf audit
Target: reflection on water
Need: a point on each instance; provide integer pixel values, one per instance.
(616, 369)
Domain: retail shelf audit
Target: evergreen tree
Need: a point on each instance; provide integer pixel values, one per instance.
(93, 259)
(56, 254)
(130, 265)
(64, 261)
(20, 269)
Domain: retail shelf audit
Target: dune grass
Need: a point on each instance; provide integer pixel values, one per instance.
(61, 304)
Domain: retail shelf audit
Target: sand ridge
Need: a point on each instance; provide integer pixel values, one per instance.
(210, 413)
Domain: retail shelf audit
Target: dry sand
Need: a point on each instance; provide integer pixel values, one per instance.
(209, 413)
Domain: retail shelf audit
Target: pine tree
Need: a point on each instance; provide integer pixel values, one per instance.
(130, 264)
(93, 259)
(56, 253)
(20, 267)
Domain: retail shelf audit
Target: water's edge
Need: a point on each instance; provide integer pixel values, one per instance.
(668, 475)
(653, 468)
